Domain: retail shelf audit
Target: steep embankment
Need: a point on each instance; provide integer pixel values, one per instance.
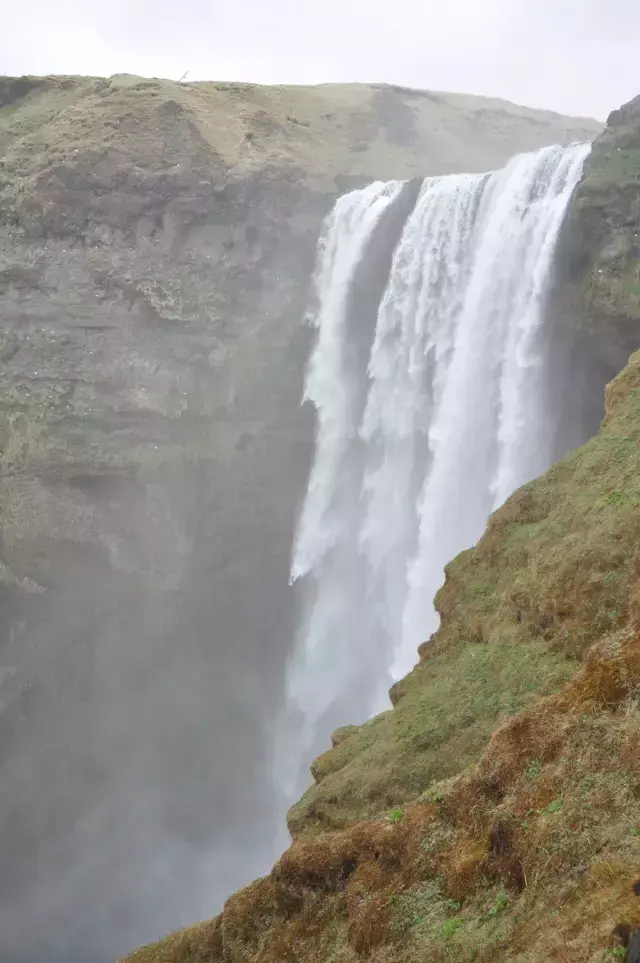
(156, 242)
(494, 813)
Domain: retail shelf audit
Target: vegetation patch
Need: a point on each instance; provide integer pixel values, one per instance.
(441, 725)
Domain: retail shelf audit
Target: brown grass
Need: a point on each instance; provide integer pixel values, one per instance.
(511, 826)
(544, 824)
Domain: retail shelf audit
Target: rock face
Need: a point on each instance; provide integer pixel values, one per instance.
(494, 813)
(602, 241)
(597, 298)
(156, 244)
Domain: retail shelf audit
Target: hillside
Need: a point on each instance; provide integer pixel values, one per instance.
(156, 245)
(494, 813)
(333, 130)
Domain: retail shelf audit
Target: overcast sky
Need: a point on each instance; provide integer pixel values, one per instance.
(574, 56)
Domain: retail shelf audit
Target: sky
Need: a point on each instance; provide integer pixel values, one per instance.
(574, 56)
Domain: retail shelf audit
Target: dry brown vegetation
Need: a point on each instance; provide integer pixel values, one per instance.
(320, 131)
(531, 855)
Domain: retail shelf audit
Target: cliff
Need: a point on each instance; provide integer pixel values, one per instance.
(156, 243)
(601, 246)
(494, 812)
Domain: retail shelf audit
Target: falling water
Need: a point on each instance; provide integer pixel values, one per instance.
(432, 427)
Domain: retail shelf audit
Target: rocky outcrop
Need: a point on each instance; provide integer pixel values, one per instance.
(156, 242)
(597, 297)
(602, 237)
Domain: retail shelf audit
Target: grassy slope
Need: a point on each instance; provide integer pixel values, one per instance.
(353, 129)
(529, 852)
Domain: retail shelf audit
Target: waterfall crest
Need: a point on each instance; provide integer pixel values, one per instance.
(430, 429)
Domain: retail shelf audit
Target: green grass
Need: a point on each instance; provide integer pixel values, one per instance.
(423, 912)
(396, 816)
(555, 806)
(440, 726)
(533, 770)
(614, 167)
(500, 905)
(431, 926)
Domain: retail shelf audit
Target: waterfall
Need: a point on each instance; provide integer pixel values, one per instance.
(422, 434)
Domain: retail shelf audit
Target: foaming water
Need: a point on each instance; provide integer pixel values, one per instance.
(426, 432)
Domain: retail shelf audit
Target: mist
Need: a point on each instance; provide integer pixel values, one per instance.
(152, 473)
(135, 791)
